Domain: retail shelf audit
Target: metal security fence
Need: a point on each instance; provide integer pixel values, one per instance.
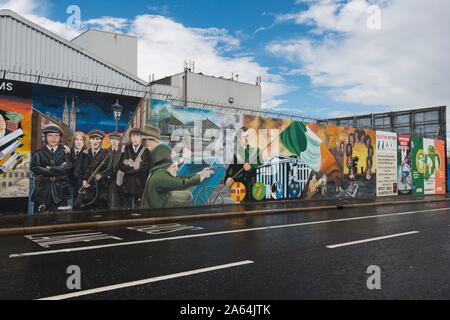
(145, 93)
(427, 122)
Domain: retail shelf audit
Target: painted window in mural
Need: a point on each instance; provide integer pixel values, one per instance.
(76, 149)
(15, 138)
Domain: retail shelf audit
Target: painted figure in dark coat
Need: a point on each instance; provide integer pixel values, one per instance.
(51, 166)
(134, 163)
(76, 150)
(93, 169)
(246, 161)
(115, 154)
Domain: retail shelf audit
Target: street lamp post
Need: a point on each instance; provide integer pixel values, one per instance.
(117, 112)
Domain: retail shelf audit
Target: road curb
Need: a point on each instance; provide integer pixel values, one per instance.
(156, 220)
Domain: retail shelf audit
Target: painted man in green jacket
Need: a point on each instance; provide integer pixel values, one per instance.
(163, 182)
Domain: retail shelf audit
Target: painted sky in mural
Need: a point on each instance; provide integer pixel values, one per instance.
(93, 110)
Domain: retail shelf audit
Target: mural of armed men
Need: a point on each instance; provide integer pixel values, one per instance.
(246, 161)
(164, 188)
(93, 168)
(134, 163)
(51, 166)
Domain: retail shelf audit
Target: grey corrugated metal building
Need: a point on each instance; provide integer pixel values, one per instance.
(31, 53)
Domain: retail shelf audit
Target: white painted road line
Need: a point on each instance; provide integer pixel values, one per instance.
(146, 281)
(60, 232)
(345, 244)
(52, 239)
(198, 235)
(158, 229)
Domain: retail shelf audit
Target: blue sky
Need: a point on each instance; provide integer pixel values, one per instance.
(316, 57)
(249, 20)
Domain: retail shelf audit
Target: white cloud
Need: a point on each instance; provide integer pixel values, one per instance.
(326, 15)
(164, 45)
(274, 105)
(20, 6)
(34, 10)
(403, 65)
(219, 38)
(108, 24)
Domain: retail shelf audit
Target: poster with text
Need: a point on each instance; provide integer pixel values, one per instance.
(418, 165)
(386, 163)
(440, 175)
(404, 175)
(433, 169)
(431, 164)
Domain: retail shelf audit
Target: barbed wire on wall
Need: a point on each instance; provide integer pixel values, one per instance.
(216, 106)
(72, 83)
(146, 91)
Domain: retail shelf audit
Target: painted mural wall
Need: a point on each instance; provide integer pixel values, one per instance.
(386, 163)
(87, 167)
(15, 138)
(255, 158)
(153, 154)
(428, 166)
(404, 174)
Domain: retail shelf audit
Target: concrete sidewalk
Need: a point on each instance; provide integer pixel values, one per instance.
(26, 224)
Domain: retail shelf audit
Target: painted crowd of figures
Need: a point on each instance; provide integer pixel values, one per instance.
(87, 176)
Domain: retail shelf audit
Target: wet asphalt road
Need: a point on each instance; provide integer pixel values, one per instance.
(282, 256)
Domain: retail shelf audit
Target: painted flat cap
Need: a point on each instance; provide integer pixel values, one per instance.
(96, 133)
(52, 128)
(137, 131)
(151, 132)
(115, 135)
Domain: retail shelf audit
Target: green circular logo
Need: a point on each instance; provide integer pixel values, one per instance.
(259, 191)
